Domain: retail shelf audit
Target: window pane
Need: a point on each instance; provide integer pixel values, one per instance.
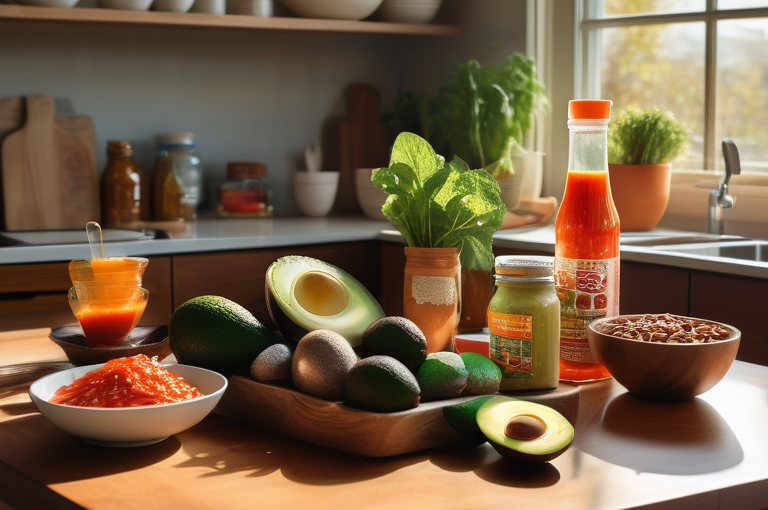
(623, 7)
(663, 66)
(740, 4)
(742, 90)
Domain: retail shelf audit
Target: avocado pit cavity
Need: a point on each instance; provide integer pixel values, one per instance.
(320, 293)
(525, 427)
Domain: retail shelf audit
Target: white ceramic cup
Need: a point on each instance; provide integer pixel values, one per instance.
(315, 192)
(209, 7)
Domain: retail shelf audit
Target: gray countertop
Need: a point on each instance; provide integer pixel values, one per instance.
(207, 235)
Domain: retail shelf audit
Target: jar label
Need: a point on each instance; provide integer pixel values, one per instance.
(437, 290)
(510, 344)
(588, 290)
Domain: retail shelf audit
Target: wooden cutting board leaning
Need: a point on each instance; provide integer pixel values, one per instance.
(48, 165)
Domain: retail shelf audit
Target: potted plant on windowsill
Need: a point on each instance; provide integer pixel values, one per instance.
(642, 142)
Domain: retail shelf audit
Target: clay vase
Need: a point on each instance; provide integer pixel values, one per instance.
(476, 291)
(641, 194)
(432, 294)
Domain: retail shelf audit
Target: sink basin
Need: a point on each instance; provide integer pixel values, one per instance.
(646, 239)
(752, 250)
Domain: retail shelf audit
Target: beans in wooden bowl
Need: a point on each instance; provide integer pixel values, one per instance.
(665, 328)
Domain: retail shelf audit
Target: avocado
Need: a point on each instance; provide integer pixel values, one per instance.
(524, 431)
(381, 384)
(273, 364)
(463, 418)
(441, 376)
(397, 337)
(483, 375)
(320, 364)
(304, 294)
(218, 334)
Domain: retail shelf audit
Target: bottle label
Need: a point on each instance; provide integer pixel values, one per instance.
(588, 290)
(510, 347)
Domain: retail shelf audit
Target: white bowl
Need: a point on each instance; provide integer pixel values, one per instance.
(128, 426)
(333, 9)
(172, 5)
(315, 192)
(409, 11)
(126, 5)
(48, 3)
(369, 196)
(511, 189)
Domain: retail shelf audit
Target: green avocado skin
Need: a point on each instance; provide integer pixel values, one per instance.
(381, 384)
(397, 337)
(463, 418)
(441, 376)
(483, 375)
(218, 334)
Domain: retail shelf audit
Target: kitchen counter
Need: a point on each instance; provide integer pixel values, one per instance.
(628, 453)
(208, 235)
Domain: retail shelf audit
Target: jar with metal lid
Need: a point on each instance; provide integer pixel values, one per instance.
(187, 170)
(246, 192)
(124, 197)
(524, 323)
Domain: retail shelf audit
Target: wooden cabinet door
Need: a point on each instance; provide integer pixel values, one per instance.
(648, 288)
(739, 302)
(239, 275)
(35, 295)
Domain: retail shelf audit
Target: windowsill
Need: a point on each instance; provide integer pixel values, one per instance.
(689, 203)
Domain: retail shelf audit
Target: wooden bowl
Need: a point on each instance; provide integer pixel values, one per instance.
(662, 371)
(151, 341)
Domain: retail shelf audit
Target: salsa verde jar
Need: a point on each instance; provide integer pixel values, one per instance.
(524, 322)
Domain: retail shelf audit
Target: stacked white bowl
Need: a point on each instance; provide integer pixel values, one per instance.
(369, 196)
(333, 9)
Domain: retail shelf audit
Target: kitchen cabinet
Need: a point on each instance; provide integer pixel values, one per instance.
(35, 295)
(239, 275)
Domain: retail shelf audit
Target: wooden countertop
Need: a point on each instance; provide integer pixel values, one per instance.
(628, 453)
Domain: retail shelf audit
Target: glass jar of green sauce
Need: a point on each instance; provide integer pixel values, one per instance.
(524, 322)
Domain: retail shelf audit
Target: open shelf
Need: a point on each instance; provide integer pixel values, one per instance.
(148, 18)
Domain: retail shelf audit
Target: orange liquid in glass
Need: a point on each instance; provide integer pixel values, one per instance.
(587, 227)
(106, 327)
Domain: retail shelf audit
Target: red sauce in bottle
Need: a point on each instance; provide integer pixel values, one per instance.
(126, 382)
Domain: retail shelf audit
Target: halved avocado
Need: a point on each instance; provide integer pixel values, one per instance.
(305, 294)
(524, 431)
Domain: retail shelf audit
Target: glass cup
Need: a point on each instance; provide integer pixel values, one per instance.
(107, 297)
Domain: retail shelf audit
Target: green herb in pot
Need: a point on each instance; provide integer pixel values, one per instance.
(482, 114)
(645, 136)
(435, 204)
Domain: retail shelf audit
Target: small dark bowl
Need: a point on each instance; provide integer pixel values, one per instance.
(151, 341)
(661, 371)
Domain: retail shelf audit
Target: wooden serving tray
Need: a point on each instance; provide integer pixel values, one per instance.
(347, 429)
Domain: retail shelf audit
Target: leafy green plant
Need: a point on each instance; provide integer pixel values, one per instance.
(435, 204)
(644, 136)
(482, 114)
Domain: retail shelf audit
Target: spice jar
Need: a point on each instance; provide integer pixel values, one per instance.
(167, 193)
(187, 170)
(124, 199)
(246, 192)
(524, 323)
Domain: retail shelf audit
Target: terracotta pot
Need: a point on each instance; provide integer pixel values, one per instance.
(476, 290)
(641, 193)
(432, 294)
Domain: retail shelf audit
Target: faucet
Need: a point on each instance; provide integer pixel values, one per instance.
(719, 199)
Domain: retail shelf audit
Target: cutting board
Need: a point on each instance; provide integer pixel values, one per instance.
(364, 142)
(340, 427)
(49, 175)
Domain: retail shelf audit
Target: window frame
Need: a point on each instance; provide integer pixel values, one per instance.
(588, 52)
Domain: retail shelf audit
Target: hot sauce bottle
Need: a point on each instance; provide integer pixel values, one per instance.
(586, 241)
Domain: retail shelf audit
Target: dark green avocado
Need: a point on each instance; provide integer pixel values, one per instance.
(397, 337)
(304, 294)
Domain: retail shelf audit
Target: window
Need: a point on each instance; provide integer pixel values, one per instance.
(704, 60)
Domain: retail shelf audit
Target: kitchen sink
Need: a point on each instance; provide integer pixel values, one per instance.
(750, 249)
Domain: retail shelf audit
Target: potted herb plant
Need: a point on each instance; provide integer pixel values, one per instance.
(482, 114)
(446, 212)
(642, 142)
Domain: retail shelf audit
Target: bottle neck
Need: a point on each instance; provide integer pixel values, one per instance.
(588, 145)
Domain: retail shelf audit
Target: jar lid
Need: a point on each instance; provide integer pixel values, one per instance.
(119, 149)
(241, 170)
(589, 109)
(525, 266)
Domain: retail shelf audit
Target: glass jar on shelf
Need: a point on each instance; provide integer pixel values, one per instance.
(178, 178)
(124, 198)
(246, 192)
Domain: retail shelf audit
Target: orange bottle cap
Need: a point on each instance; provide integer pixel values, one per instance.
(589, 109)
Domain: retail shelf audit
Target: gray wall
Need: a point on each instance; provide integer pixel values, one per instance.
(247, 95)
